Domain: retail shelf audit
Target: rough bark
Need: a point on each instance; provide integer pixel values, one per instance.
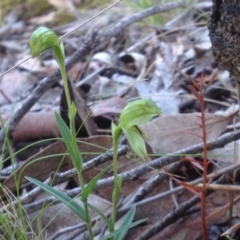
(224, 32)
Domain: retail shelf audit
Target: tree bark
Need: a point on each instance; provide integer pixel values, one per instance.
(224, 32)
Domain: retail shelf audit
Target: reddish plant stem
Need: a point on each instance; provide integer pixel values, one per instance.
(205, 163)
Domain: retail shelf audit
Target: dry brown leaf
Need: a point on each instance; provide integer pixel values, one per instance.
(230, 153)
(167, 134)
(75, 71)
(113, 105)
(39, 166)
(61, 216)
(153, 211)
(35, 125)
(190, 228)
(83, 112)
(43, 20)
(35, 65)
(12, 85)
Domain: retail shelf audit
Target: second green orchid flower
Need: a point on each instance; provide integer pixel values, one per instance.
(135, 113)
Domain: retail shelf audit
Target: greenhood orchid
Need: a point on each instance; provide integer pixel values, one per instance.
(136, 113)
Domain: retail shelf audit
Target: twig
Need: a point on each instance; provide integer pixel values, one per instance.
(154, 164)
(174, 215)
(68, 229)
(173, 157)
(219, 187)
(126, 207)
(174, 199)
(61, 177)
(149, 185)
(143, 190)
(138, 171)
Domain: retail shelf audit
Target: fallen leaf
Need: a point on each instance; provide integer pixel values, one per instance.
(39, 166)
(167, 134)
(113, 105)
(230, 153)
(61, 217)
(13, 84)
(34, 125)
(83, 116)
(35, 65)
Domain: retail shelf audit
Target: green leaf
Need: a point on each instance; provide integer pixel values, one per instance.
(126, 222)
(90, 186)
(136, 141)
(112, 234)
(62, 197)
(102, 215)
(113, 128)
(72, 111)
(138, 112)
(70, 143)
(116, 131)
(116, 189)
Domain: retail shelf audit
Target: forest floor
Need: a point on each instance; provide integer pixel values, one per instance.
(115, 54)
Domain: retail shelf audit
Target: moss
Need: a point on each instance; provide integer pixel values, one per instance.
(94, 3)
(29, 8)
(155, 20)
(34, 8)
(61, 18)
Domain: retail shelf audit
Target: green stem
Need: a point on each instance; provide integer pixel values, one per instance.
(229, 237)
(80, 178)
(116, 183)
(41, 40)
(59, 54)
(88, 219)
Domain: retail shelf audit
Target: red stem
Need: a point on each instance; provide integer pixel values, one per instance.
(205, 165)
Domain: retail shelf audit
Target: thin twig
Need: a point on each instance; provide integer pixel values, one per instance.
(145, 188)
(173, 216)
(148, 200)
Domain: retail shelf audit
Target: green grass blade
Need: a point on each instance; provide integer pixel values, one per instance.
(62, 197)
(113, 234)
(102, 215)
(70, 142)
(126, 222)
(90, 186)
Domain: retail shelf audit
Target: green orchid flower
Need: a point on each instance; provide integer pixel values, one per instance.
(136, 113)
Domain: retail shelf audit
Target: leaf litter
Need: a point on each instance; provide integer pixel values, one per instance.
(143, 61)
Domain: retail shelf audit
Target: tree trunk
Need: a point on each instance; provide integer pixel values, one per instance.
(224, 32)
